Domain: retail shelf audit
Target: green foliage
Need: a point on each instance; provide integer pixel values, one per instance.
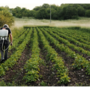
(64, 40)
(12, 84)
(9, 63)
(31, 75)
(79, 61)
(87, 13)
(22, 12)
(52, 56)
(63, 12)
(5, 17)
(2, 72)
(43, 83)
(69, 12)
(2, 83)
(32, 65)
(42, 13)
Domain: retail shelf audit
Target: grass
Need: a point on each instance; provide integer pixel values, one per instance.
(81, 22)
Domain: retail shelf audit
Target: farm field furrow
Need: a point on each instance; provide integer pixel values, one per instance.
(46, 66)
(47, 56)
(80, 35)
(58, 66)
(32, 65)
(76, 35)
(68, 63)
(55, 42)
(73, 41)
(78, 50)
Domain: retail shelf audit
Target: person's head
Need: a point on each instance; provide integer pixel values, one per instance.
(5, 26)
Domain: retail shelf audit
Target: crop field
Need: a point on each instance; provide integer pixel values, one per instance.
(47, 56)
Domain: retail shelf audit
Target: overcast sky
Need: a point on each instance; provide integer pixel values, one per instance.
(26, 5)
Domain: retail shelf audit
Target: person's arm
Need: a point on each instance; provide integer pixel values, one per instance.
(11, 38)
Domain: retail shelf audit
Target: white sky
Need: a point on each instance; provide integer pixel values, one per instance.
(26, 5)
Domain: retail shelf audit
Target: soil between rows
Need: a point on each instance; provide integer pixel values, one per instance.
(76, 51)
(47, 75)
(78, 77)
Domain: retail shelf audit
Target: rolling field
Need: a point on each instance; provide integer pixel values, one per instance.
(47, 56)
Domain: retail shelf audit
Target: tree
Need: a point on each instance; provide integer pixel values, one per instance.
(17, 12)
(48, 13)
(54, 11)
(45, 6)
(24, 12)
(5, 17)
(54, 14)
(87, 13)
(37, 8)
(69, 12)
(65, 11)
(42, 14)
(81, 11)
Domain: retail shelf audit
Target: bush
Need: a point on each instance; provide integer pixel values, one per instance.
(5, 17)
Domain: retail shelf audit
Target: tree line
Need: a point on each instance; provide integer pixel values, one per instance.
(62, 12)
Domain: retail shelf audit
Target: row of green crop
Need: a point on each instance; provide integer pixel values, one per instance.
(32, 65)
(73, 34)
(82, 33)
(18, 40)
(16, 32)
(77, 33)
(9, 63)
(72, 40)
(79, 61)
(62, 71)
(66, 42)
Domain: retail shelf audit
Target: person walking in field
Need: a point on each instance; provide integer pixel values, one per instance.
(4, 41)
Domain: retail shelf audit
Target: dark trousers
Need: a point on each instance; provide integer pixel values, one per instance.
(3, 46)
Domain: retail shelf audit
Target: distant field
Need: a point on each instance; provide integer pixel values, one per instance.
(82, 22)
